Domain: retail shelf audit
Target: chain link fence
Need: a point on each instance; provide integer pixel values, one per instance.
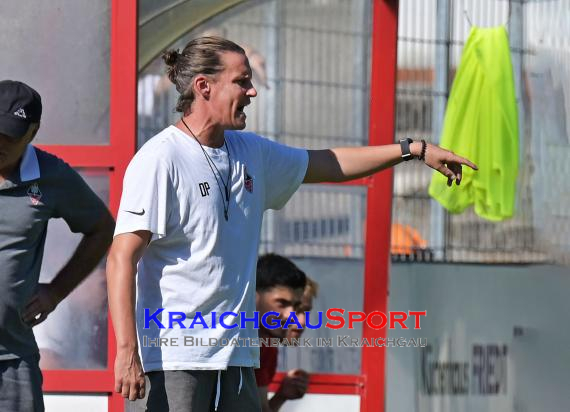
(432, 35)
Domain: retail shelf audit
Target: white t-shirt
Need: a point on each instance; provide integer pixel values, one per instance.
(196, 260)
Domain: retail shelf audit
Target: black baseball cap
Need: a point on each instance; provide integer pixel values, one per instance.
(20, 106)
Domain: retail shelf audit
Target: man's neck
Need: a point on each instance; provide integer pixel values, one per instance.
(207, 133)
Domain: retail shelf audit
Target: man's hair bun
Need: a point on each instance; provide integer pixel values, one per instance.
(170, 57)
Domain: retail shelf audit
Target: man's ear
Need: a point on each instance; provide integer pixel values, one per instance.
(202, 86)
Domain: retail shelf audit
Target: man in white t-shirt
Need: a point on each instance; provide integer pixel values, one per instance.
(189, 226)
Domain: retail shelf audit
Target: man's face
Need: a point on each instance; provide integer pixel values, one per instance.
(280, 299)
(231, 91)
(306, 305)
(12, 149)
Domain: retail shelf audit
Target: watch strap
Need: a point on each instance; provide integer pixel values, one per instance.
(405, 146)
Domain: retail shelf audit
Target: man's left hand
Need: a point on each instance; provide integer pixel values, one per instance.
(41, 305)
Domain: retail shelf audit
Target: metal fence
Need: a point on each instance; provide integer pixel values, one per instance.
(431, 38)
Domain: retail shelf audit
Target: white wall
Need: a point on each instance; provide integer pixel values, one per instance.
(323, 403)
(482, 304)
(75, 402)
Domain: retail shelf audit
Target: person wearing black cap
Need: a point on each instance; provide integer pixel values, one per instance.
(35, 187)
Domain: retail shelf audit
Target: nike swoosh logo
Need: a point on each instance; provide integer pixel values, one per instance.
(135, 213)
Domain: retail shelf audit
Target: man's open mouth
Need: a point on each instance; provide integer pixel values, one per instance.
(241, 109)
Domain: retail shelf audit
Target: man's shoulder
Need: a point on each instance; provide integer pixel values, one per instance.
(50, 165)
(245, 136)
(245, 141)
(161, 146)
(155, 153)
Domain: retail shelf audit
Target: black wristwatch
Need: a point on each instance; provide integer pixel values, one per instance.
(405, 146)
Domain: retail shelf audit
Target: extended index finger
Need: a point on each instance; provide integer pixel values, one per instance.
(465, 161)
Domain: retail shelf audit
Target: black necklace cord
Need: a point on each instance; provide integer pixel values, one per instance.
(227, 184)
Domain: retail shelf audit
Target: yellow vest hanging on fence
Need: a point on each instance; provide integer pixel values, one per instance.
(481, 123)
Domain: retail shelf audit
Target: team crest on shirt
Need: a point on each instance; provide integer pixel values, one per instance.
(34, 194)
(247, 180)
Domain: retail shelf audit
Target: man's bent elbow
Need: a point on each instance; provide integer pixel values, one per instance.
(127, 248)
(108, 227)
(104, 228)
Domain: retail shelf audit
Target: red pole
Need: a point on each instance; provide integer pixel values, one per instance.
(123, 120)
(379, 206)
